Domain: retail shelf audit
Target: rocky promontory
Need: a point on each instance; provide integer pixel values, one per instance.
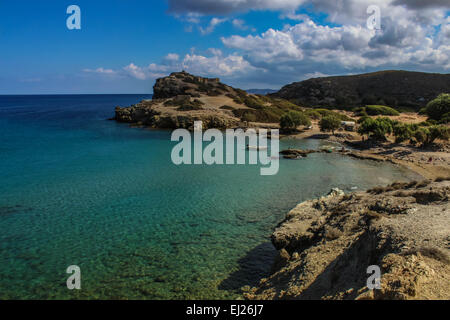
(182, 98)
(326, 245)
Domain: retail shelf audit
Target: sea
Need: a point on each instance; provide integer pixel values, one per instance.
(77, 189)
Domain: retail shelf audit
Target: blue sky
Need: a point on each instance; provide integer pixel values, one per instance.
(123, 46)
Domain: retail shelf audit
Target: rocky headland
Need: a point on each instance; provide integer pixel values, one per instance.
(182, 98)
(325, 245)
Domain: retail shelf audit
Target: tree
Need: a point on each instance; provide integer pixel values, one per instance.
(438, 107)
(292, 119)
(426, 136)
(438, 132)
(329, 123)
(403, 131)
(376, 128)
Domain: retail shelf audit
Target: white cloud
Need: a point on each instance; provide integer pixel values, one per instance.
(240, 24)
(414, 35)
(135, 71)
(100, 70)
(346, 47)
(420, 4)
(215, 64)
(172, 57)
(212, 25)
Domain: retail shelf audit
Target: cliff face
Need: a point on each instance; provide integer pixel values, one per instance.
(392, 88)
(326, 245)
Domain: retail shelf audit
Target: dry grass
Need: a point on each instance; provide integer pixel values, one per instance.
(430, 252)
(332, 233)
(373, 215)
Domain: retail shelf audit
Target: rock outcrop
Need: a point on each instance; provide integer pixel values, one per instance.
(392, 88)
(183, 83)
(326, 245)
(182, 98)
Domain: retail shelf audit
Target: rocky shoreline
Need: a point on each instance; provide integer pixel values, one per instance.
(325, 245)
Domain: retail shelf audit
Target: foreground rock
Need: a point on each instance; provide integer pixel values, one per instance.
(326, 245)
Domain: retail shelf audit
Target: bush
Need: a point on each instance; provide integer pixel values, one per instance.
(426, 136)
(374, 110)
(293, 119)
(438, 107)
(313, 114)
(253, 115)
(376, 128)
(445, 118)
(329, 123)
(362, 119)
(403, 132)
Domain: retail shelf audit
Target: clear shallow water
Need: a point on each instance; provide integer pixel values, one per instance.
(79, 190)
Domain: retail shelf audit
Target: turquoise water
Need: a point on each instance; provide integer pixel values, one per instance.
(77, 189)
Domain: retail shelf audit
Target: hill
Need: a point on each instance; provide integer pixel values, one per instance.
(397, 89)
(182, 98)
(261, 91)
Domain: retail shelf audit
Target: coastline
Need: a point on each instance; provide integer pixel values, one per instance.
(325, 246)
(416, 162)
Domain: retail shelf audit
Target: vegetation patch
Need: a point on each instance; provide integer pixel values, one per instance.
(329, 123)
(292, 119)
(439, 108)
(375, 110)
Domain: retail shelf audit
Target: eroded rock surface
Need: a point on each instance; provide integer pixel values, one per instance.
(327, 244)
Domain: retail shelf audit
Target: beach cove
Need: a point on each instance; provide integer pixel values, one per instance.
(80, 190)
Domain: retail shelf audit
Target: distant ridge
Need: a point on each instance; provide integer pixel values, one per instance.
(261, 91)
(393, 88)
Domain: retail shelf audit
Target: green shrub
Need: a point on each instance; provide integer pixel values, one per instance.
(375, 110)
(376, 128)
(403, 132)
(438, 107)
(427, 135)
(445, 118)
(362, 119)
(292, 119)
(283, 104)
(422, 111)
(257, 115)
(313, 114)
(329, 123)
